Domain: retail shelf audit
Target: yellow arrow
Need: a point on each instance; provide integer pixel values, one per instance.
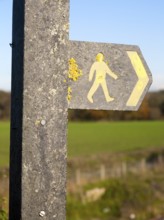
(142, 78)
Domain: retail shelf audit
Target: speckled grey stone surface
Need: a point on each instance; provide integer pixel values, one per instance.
(39, 110)
(116, 56)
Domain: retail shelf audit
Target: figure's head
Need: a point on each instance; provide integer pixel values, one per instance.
(100, 57)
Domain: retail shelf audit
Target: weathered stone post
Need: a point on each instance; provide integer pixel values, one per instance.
(39, 109)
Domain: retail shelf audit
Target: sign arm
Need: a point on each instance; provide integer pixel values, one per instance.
(126, 64)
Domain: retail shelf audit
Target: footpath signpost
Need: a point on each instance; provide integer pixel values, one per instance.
(99, 76)
(111, 76)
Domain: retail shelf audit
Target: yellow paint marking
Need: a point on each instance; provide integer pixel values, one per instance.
(142, 78)
(101, 69)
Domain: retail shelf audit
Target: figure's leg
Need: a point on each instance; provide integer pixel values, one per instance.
(106, 93)
(92, 91)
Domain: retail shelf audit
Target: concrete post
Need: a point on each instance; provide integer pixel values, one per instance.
(39, 109)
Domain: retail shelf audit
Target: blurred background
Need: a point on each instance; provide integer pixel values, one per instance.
(115, 159)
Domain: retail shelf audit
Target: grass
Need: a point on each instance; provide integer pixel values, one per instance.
(88, 138)
(4, 143)
(102, 137)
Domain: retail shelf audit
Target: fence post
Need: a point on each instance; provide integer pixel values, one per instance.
(143, 165)
(160, 159)
(124, 168)
(78, 177)
(102, 172)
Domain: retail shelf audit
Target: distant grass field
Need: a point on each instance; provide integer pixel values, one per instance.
(88, 138)
(101, 137)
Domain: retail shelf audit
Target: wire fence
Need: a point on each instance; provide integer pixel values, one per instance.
(82, 176)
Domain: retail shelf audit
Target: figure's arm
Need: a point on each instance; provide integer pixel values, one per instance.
(110, 73)
(92, 70)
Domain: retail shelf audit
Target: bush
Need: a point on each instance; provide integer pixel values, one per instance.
(121, 198)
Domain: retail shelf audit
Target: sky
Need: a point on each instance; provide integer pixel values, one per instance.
(135, 22)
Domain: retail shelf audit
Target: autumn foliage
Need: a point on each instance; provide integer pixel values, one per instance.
(152, 108)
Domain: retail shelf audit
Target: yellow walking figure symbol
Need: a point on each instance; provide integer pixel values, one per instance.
(101, 69)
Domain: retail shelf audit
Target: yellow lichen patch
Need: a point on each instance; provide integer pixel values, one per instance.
(69, 95)
(74, 72)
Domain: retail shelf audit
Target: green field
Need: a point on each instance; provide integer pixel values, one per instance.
(102, 137)
(88, 138)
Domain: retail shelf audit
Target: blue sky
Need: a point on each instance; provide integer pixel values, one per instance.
(138, 22)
